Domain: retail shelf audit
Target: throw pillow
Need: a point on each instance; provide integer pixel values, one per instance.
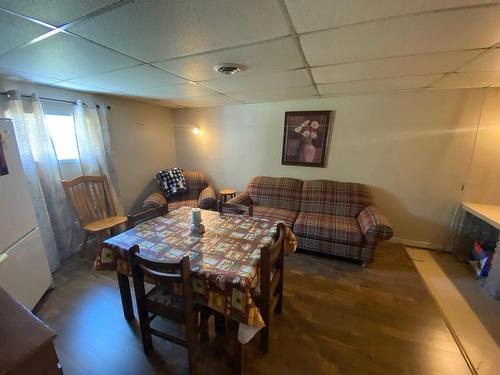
(172, 181)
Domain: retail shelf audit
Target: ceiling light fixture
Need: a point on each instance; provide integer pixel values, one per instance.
(196, 130)
(229, 68)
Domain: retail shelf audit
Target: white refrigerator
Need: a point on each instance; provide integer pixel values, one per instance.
(24, 269)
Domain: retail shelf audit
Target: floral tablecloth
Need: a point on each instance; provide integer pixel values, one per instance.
(225, 259)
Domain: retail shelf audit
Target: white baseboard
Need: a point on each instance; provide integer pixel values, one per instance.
(414, 243)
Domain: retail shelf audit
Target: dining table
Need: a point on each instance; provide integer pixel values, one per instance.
(224, 260)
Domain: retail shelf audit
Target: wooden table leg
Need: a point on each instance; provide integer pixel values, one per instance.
(220, 323)
(238, 357)
(239, 349)
(123, 283)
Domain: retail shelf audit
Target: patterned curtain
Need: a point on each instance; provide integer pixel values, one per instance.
(42, 171)
(58, 225)
(94, 146)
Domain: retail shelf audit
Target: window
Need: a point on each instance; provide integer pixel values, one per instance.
(62, 132)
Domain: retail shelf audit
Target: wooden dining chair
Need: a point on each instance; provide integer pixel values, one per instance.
(270, 297)
(133, 220)
(171, 298)
(223, 207)
(91, 199)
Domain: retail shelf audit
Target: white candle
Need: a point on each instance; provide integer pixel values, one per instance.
(196, 215)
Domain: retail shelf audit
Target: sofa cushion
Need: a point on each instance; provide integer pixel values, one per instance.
(334, 248)
(341, 229)
(288, 216)
(334, 198)
(275, 192)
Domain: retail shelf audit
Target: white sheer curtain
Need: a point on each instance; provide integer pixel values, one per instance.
(93, 139)
(60, 232)
(40, 164)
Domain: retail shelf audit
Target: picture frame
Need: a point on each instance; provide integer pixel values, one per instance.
(305, 138)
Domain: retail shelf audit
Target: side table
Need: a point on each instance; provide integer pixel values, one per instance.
(227, 194)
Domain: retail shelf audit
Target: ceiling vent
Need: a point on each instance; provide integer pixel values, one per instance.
(229, 68)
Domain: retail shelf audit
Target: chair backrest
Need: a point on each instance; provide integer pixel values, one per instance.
(282, 192)
(229, 208)
(170, 275)
(271, 263)
(90, 197)
(141, 217)
(334, 197)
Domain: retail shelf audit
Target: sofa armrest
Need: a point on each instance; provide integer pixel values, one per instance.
(207, 198)
(242, 198)
(154, 200)
(374, 225)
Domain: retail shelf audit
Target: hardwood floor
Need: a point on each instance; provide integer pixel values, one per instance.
(338, 318)
(465, 303)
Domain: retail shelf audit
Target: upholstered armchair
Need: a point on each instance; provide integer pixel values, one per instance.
(199, 194)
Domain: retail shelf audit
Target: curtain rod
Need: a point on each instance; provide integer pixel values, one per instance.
(52, 99)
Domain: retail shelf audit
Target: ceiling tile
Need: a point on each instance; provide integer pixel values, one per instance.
(201, 101)
(281, 54)
(291, 78)
(469, 79)
(16, 31)
(276, 94)
(173, 91)
(23, 76)
(129, 79)
(443, 31)
(65, 57)
(489, 61)
(81, 87)
(159, 30)
(328, 13)
(393, 67)
(377, 85)
(54, 12)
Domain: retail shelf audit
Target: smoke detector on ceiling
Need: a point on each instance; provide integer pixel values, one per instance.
(228, 68)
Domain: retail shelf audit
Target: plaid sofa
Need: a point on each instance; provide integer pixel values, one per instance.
(199, 194)
(336, 218)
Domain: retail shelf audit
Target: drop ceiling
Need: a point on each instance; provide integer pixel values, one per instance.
(163, 51)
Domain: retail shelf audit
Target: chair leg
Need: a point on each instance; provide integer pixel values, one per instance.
(264, 332)
(204, 336)
(84, 244)
(98, 242)
(147, 342)
(264, 339)
(279, 305)
(192, 347)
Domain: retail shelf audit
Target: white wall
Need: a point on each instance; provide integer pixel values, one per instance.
(142, 137)
(483, 185)
(412, 148)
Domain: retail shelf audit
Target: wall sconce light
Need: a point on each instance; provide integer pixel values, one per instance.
(196, 130)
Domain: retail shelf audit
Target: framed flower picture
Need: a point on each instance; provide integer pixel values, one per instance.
(305, 138)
